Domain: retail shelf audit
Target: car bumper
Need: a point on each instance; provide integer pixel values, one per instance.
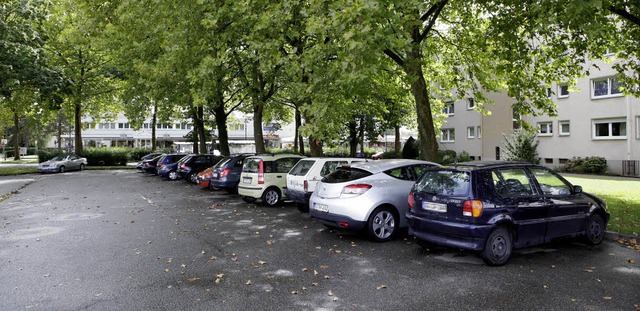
(203, 183)
(297, 196)
(337, 221)
(224, 183)
(250, 191)
(50, 169)
(459, 235)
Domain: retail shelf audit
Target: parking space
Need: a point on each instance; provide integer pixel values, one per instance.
(113, 240)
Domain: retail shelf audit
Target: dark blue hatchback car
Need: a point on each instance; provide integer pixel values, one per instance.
(493, 207)
(168, 165)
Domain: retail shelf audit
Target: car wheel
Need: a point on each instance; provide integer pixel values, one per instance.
(248, 199)
(193, 178)
(271, 197)
(497, 248)
(61, 169)
(82, 167)
(303, 208)
(594, 230)
(383, 224)
(173, 175)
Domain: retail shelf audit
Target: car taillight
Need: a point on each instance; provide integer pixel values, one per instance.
(183, 166)
(411, 200)
(224, 172)
(472, 208)
(356, 189)
(306, 186)
(160, 164)
(261, 173)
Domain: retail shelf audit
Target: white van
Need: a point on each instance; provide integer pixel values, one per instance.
(303, 177)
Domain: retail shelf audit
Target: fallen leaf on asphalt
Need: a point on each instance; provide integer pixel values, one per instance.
(315, 272)
(295, 292)
(304, 288)
(327, 277)
(588, 270)
(324, 267)
(213, 258)
(314, 284)
(545, 286)
(191, 280)
(318, 247)
(630, 260)
(262, 262)
(269, 242)
(248, 282)
(330, 293)
(183, 265)
(234, 259)
(553, 267)
(47, 275)
(607, 297)
(305, 269)
(381, 287)
(166, 270)
(169, 260)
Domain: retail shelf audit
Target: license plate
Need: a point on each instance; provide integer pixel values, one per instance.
(246, 180)
(214, 175)
(321, 207)
(436, 207)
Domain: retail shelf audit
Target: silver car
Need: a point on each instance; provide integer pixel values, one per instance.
(369, 196)
(62, 163)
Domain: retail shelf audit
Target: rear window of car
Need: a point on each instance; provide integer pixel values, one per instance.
(442, 182)
(302, 168)
(345, 174)
(251, 165)
(223, 162)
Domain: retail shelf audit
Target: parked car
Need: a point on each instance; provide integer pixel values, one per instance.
(168, 165)
(141, 164)
(263, 177)
(62, 163)
(369, 196)
(191, 165)
(493, 207)
(303, 177)
(226, 173)
(151, 166)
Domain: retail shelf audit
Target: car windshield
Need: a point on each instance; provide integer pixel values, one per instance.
(302, 167)
(452, 183)
(345, 174)
(58, 158)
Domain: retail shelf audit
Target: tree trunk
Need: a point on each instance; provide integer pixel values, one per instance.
(257, 127)
(298, 141)
(315, 146)
(361, 134)
(353, 138)
(78, 125)
(59, 135)
(201, 131)
(223, 134)
(194, 137)
(154, 120)
(16, 136)
(398, 148)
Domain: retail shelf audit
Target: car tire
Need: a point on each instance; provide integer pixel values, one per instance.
(497, 248)
(61, 169)
(303, 208)
(248, 199)
(173, 175)
(594, 231)
(271, 197)
(193, 178)
(383, 224)
(82, 167)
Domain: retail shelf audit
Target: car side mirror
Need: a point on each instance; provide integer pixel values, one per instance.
(577, 189)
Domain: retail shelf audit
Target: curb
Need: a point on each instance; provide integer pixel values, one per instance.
(610, 235)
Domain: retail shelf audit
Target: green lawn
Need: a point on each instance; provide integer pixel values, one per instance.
(622, 197)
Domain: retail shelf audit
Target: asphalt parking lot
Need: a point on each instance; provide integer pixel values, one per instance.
(122, 240)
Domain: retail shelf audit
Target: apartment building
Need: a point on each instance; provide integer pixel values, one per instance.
(594, 119)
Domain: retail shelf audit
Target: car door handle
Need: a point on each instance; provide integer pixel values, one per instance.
(279, 176)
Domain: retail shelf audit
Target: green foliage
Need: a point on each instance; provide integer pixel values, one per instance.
(447, 156)
(464, 157)
(106, 156)
(521, 146)
(135, 154)
(588, 165)
(47, 154)
(410, 149)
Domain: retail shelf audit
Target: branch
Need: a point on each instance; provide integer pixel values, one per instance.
(395, 57)
(625, 14)
(433, 14)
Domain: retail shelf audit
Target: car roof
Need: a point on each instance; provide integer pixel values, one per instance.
(387, 164)
(475, 165)
(276, 155)
(337, 159)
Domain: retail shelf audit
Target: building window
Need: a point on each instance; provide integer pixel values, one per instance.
(606, 87)
(545, 128)
(448, 135)
(471, 132)
(479, 132)
(124, 125)
(471, 103)
(610, 129)
(563, 90)
(565, 128)
(516, 120)
(549, 92)
(548, 160)
(638, 127)
(146, 125)
(449, 108)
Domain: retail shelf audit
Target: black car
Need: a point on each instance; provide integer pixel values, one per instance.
(146, 159)
(226, 174)
(150, 165)
(493, 207)
(196, 163)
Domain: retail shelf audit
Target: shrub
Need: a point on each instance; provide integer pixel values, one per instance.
(136, 154)
(47, 154)
(106, 156)
(464, 157)
(447, 156)
(588, 165)
(410, 149)
(522, 146)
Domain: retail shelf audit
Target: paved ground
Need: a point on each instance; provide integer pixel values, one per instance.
(121, 240)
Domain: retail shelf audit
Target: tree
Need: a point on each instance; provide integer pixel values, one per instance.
(522, 146)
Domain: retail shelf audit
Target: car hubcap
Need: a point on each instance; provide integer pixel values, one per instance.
(595, 230)
(272, 197)
(172, 175)
(194, 178)
(383, 225)
(498, 247)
